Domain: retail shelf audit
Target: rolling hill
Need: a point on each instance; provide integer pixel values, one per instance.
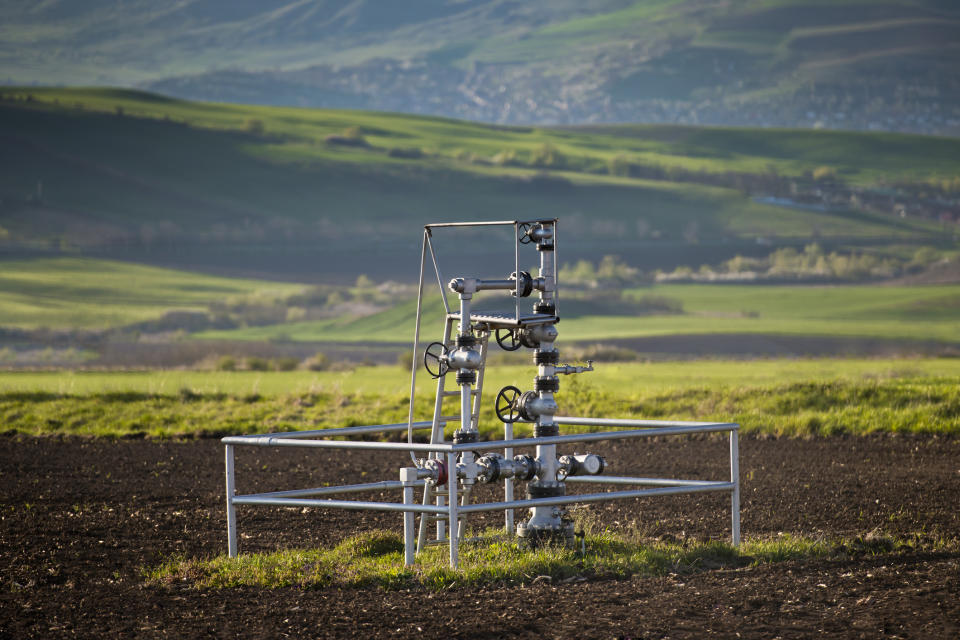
(848, 64)
(288, 191)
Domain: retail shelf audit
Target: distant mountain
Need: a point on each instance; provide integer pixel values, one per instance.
(849, 64)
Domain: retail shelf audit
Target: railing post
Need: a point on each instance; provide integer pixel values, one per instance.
(735, 494)
(231, 510)
(452, 526)
(408, 475)
(508, 482)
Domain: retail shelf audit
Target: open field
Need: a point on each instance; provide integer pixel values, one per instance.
(85, 519)
(390, 381)
(919, 312)
(798, 398)
(79, 293)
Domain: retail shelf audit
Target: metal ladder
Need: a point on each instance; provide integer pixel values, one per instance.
(438, 495)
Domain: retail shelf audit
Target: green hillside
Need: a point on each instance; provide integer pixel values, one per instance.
(861, 64)
(120, 170)
(902, 313)
(77, 293)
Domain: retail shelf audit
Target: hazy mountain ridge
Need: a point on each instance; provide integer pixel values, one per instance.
(809, 63)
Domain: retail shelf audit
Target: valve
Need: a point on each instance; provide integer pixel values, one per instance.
(523, 233)
(506, 405)
(435, 359)
(508, 339)
(514, 406)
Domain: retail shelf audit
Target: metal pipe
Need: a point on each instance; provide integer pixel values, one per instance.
(452, 508)
(336, 444)
(655, 482)
(735, 494)
(340, 431)
(596, 497)
(492, 223)
(436, 268)
(231, 511)
(616, 422)
(508, 482)
(416, 344)
(408, 478)
(384, 485)
(595, 437)
(354, 505)
(516, 270)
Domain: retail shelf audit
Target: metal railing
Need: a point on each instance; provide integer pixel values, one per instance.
(413, 477)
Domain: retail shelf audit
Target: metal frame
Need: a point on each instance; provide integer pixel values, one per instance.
(449, 503)
(452, 511)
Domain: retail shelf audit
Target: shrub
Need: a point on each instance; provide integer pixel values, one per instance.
(227, 363)
(319, 362)
(255, 363)
(285, 364)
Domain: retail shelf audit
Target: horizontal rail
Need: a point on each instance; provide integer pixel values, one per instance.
(595, 497)
(655, 482)
(708, 427)
(271, 441)
(383, 485)
(354, 505)
(615, 422)
(490, 223)
(343, 431)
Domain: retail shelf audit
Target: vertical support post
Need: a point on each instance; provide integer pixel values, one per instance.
(231, 510)
(735, 494)
(516, 269)
(508, 482)
(452, 510)
(408, 476)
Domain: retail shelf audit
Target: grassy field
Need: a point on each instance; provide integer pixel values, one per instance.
(78, 293)
(928, 313)
(267, 177)
(798, 398)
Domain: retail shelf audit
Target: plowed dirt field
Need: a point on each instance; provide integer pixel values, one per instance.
(81, 518)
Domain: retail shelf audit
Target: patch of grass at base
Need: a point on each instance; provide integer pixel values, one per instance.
(375, 559)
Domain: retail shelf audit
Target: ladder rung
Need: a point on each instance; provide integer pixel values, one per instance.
(449, 418)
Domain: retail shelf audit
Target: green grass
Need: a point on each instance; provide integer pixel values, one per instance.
(375, 559)
(208, 178)
(83, 293)
(856, 311)
(791, 398)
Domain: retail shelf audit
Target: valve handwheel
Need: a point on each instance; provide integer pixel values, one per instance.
(523, 229)
(508, 341)
(434, 360)
(507, 405)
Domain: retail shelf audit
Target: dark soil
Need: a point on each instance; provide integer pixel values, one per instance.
(81, 518)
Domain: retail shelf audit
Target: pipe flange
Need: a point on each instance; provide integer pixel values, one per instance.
(466, 377)
(546, 430)
(525, 284)
(550, 384)
(544, 307)
(550, 357)
(466, 341)
(545, 491)
(464, 437)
